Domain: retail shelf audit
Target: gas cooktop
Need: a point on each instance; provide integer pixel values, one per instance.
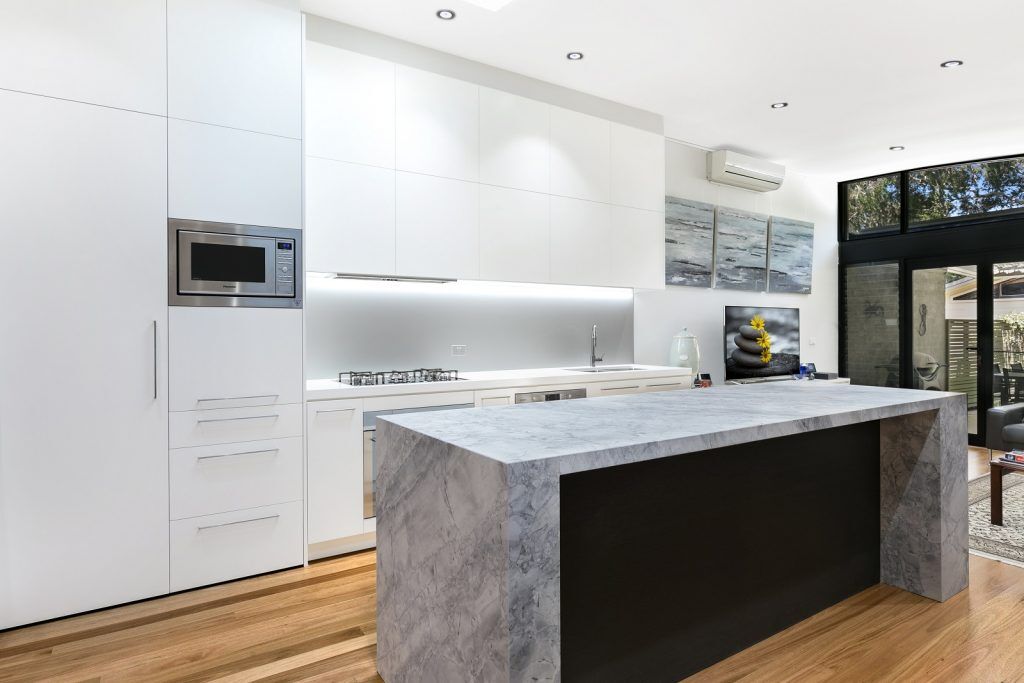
(373, 378)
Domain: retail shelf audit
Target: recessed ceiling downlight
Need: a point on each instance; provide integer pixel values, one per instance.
(780, 105)
(897, 148)
(445, 14)
(952, 63)
(574, 56)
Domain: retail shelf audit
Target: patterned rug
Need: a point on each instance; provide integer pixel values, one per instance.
(1007, 540)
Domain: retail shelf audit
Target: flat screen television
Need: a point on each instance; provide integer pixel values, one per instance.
(761, 341)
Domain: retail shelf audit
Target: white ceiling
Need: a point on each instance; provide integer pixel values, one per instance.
(859, 76)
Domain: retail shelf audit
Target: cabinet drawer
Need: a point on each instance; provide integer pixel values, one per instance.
(234, 357)
(211, 479)
(667, 384)
(232, 425)
(614, 388)
(235, 544)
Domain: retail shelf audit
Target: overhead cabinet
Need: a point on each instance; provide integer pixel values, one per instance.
(107, 52)
(236, 63)
(485, 184)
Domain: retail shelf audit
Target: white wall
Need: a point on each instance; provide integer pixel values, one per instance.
(660, 314)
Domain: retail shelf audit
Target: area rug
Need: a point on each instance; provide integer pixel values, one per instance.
(1003, 541)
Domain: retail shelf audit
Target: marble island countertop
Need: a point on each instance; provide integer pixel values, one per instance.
(621, 429)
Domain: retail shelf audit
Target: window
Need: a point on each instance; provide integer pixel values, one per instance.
(871, 329)
(973, 189)
(873, 206)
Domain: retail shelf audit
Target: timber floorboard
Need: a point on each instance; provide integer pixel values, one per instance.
(318, 624)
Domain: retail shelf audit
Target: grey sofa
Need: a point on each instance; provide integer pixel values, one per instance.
(1005, 427)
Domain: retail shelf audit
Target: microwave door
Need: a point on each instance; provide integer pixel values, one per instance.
(228, 265)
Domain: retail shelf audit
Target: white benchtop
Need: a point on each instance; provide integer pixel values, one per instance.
(325, 389)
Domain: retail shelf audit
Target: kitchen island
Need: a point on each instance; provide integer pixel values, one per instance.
(645, 537)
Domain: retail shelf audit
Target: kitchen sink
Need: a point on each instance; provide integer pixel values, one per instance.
(607, 368)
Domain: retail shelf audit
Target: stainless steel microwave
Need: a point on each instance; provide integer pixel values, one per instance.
(224, 264)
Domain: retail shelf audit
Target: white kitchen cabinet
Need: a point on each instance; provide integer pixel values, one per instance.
(437, 227)
(580, 242)
(437, 125)
(233, 176)
(580, 163)
(236, 63)
(350, 106)
(514, 141)
(212, 479)
(234, 425)
(334, 494)
(350, 218)
(637, 248)
(108, 52)
(234, 357)
(636, 386)
(514, 235)
(637, 168)
(83, 381)
(230, 545)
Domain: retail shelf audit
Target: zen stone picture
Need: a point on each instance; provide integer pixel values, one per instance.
(761, 341)
(790, 255)
(741, 250)
(689, 242)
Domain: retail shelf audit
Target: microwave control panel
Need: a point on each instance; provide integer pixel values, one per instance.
(285, 267)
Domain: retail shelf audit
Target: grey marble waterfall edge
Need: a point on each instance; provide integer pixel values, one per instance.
(468, 507)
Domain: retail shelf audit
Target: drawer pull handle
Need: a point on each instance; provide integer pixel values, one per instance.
(667, 384)
(241, 521)
(232, 419)
(336, 410)
(236, 398)
(635, 386)
(272, 451)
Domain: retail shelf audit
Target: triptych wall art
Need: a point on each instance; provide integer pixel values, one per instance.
(709, 246)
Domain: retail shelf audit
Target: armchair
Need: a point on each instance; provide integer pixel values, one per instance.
(1004, 428)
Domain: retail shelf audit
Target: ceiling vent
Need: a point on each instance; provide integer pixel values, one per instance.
(730, 168)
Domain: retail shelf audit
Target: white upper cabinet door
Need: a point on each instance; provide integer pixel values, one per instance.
(579, 155)
(514, 141)
(234, 357)
(109, 52)
(236, 63)
(350, 218)
(437, 227)
(638, 168)
(580, 242)
(437, 125)
(514, 235)
(233, 176)
(350, 106)
(83, 383)
(638, 248)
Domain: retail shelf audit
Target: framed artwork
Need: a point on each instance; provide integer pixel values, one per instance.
(741, 250)
(689, 242)
(790, 255)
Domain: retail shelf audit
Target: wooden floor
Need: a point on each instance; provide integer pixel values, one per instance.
(318, 624)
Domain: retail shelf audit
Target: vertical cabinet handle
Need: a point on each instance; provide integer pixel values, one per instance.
(155, 363)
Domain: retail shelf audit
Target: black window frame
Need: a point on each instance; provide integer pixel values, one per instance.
(904, 226)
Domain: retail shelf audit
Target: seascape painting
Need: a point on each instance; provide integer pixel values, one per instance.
(741, 250)
(790, 255)
(689, 242)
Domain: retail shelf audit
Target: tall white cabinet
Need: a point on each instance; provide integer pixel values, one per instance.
(83, 381)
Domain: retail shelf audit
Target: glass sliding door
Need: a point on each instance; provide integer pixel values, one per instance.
(943, 350)
(871, 329)
(1008, 333)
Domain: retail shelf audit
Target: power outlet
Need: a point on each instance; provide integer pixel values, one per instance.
(459, 349)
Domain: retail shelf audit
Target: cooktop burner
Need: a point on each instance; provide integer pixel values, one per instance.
(372, 378)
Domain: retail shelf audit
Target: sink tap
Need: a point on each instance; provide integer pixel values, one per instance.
(594, 358)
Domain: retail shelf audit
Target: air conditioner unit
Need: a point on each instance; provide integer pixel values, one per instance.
(730, 168)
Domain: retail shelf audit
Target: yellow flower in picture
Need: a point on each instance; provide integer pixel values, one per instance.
(757, 322)
(766, 356)
(764, 341)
